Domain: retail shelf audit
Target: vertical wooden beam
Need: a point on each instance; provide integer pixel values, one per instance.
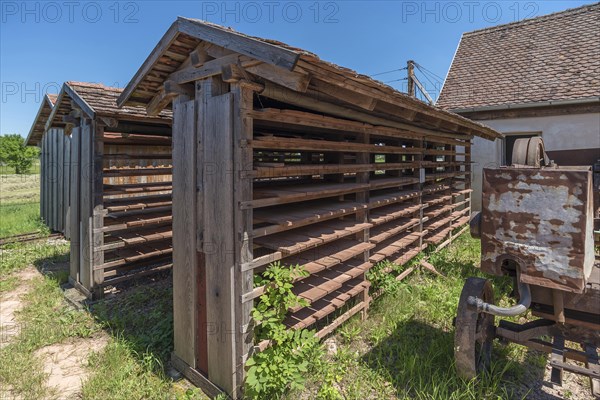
(97, 190)
(243, 95)
(67, 186)
(54, 202)
(420, 143)
(43, 178)
(86, 162)
(75, 204)
(59, 180)
(219, 237)
(362, 216)
(184, 229)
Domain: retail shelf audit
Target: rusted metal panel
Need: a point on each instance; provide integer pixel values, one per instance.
(542, 219)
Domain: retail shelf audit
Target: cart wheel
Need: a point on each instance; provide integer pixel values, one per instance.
(474, 330)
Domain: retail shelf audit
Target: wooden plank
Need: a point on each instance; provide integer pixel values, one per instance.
(74, 263)
(43, 179)
(283, 218)
(184, 229)
(86, 209)
(297, 240)
(287, 143)
(289, 194)
(59, 180)
(243, 96)
(297, 81)
(97, 188)
(67, 186)
(239, 43)
(218, 227)
(55, 167)
(322, 169)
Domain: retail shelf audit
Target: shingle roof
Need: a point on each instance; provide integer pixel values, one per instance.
(103, 100)
(548, 58)
(38, 126)
(98, 100)
(186, 34)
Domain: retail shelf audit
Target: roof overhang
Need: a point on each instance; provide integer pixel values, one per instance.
(39, 123)
(171, 58)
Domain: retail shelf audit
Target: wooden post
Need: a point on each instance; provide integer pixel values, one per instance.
(184, 229)
(75, 204)
(242, 191)
(86, 213)
(67, 187)
(216, 134)
(362, 216)
(59, 180)
(97, 191)
(43, 179)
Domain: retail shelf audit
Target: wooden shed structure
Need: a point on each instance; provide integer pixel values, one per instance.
(55, 174)
(280, 156)
(119, 200)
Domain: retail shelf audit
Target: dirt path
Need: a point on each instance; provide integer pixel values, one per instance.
(65, 364)
(11, 302)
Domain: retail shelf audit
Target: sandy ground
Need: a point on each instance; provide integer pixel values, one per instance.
(64, 363)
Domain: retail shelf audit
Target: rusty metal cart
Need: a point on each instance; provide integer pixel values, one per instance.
(537, 226)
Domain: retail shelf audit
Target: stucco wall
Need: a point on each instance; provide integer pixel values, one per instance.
(564, 132)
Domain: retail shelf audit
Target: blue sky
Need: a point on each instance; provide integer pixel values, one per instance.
(43, 44)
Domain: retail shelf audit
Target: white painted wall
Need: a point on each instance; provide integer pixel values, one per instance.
(562, 132)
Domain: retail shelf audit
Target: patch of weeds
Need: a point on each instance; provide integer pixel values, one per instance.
(17, 256)
(280, 367)
(119, 372)
(143, 316)
(8, 283)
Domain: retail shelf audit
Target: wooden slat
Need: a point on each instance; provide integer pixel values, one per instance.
(390, 213)
(116, 172)
(288, 217)
(393, 246)
(268, 196)
(75, 249)
(327, 305)
(388, 230)
(384, 183)
(322, 169)
(297, 240)
(287, 143)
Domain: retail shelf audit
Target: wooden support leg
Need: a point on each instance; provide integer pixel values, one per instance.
(557, 357)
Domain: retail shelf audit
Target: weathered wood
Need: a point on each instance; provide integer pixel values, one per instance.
(184, 229)
(97, 186)
(296, 81)
(218, 227)
(67, 187)
(251, 47)
(242, 132)
(86, 204)
(75, 259)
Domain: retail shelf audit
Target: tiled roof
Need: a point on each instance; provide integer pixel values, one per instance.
(548, 58)
(103, 100)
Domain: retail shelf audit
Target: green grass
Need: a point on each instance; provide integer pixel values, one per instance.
(138, 321)
(6, 170)
(44, 320)
(404, 350)
(20, 205)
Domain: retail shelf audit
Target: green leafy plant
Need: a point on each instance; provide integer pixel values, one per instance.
(280, 367)
(14, 153)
